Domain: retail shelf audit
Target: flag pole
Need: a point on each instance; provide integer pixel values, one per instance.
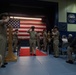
(10, 56)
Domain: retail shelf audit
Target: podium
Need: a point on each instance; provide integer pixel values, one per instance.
(10, 57)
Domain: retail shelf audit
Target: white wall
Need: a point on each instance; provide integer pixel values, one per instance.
(64, 7)
(71, 7)
(62, 11)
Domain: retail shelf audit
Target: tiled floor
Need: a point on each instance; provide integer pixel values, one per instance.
(39, 65)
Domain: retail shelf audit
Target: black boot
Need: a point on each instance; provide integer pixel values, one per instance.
(70, 62)
(3, 66)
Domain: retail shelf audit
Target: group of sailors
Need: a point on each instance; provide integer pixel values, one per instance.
(52, 42)
(50, 39)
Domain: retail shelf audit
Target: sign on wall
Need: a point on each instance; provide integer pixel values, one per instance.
(71, 18)
(71, 22)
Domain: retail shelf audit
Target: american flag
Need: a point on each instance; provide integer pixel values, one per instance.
(23, 25)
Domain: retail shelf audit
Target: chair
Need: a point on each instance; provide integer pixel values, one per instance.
(75, 54)
(63, 49)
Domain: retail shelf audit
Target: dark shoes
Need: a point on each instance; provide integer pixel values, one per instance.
(3, 66)
(70, 62)
(14, 51)
(56, 56)
(34, 54)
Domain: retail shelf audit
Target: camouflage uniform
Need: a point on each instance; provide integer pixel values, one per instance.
(56, 43)
(32, 41)
(3, 39)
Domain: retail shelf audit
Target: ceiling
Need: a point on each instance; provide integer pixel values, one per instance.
(28, 7)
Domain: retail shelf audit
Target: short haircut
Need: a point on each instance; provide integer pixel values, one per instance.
(33, 27)
(3, 14)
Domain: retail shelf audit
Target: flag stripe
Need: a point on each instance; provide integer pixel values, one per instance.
(25, 25)
(30, 22)
(39, 20)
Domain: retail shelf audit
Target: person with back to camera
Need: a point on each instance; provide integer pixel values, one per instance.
(32, 40)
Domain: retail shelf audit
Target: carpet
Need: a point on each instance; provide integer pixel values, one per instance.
(26, 52)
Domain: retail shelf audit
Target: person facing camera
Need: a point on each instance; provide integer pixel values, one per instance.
(32, 40)
(55, 36)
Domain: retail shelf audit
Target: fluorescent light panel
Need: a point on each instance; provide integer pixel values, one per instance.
(28, 18)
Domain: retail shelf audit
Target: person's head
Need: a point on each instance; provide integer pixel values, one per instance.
(70, 35)
(3, 16)
(55, 28)
(32, 28)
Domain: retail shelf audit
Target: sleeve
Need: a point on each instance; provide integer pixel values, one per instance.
(28, 31)
(6, 20)
(54, 33)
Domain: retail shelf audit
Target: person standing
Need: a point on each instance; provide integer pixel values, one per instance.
(71, 49)
(49, 42)
(38, 40)
(56, 34)
(15, 40)
(3, 36)
(45, 39)
(32, 40)
(70, 39)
